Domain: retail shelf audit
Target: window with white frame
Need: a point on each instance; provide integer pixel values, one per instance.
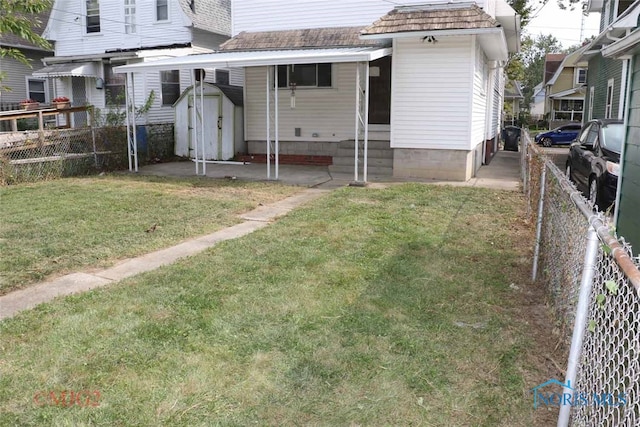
(130, 16)
(114, 87)
(608, 109)
(305, 75)
(37, 89)
(162, 10)
(170, 83)
(581, 76)
(93, 16)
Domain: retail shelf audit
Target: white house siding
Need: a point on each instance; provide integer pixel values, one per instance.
(498, 102)
(236, 76)
(329, 112)
(249, 15)
(145, 83)
(431, 87)
(479, 95)
(67, 27)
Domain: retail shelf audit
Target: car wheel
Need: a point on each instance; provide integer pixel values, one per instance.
(567, 171)
(593, 191)
(546, 142)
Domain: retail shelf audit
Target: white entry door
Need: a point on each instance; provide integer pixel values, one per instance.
(211, 131)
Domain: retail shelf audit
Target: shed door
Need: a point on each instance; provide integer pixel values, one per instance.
(211, 131)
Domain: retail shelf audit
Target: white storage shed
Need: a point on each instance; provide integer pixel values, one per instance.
(218, 115)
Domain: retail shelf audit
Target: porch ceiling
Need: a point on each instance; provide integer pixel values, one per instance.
(259, 58)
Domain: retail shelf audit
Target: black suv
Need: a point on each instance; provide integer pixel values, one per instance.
(594, 161)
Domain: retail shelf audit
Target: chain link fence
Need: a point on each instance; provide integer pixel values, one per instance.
(38, 155)
(593, 284)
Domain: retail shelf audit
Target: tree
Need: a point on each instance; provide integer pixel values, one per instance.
(515, 68)
(19, 17)
(532, 56)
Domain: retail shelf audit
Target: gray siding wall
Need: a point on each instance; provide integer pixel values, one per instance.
(15, 76)
(600, 71)
(628, 219)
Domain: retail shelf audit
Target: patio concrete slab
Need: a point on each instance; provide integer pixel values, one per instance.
(305, 176)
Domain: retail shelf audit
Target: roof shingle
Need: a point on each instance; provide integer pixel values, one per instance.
(432, 18)
(299, 39)
(39, 23)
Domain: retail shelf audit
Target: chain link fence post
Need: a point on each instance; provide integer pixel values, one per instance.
(536, 253)
(580, 323)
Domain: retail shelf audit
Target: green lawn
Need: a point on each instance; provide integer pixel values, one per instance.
(58, 226)
(366, 307)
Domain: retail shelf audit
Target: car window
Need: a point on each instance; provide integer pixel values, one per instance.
(583, 135)
(592, 136)
(573, 127)
(612, 137)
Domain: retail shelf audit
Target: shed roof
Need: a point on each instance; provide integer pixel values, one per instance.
(234, 93)
(299, 39)
(464, 16)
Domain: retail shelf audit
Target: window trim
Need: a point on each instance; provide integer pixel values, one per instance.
(130, 27)
(577, 75)
(287, 83)
(86, 19)
(168, 11)
(107, 86)
(608, 106)
(163, 83)
(29, 79)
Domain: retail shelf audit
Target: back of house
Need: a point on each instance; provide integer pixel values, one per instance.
(435, 94)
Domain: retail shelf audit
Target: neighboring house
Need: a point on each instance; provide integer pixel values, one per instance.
(435, 87)
(512, 98)
(536, 108)
(606, 81)
(94, 36)
(18, 76)
(626, 51)
(565, 90)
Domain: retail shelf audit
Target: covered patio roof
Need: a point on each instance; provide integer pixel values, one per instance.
(69, 69)
(269, 59)
(259, 58)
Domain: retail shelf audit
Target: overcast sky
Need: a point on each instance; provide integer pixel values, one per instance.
(563, 24)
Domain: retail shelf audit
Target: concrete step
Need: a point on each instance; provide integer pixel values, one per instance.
(372, 153)
(373, 171)
(373, 144)
(383, 135)
(371, 161)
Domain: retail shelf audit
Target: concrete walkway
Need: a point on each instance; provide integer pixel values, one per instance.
(28, 298)
(502, 173)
